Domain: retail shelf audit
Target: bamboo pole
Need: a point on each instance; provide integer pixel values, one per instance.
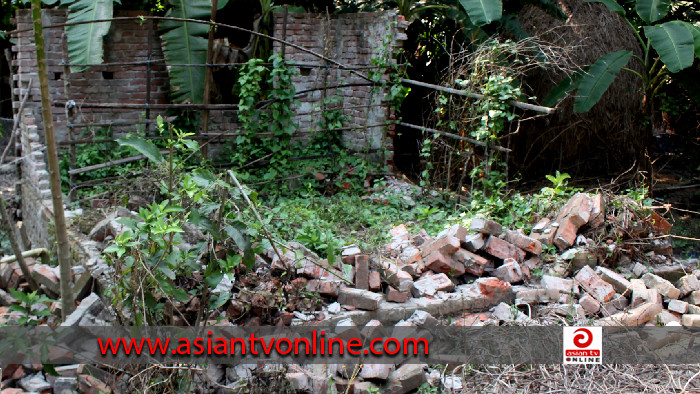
(477, 96)
(64, 258)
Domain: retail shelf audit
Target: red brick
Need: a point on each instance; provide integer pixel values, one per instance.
(375, 281)
(409, 255)
(497, 247)
(447, 245)
(324, 287)
(360, 299)
(593, 284)
(509, 272)
(524, 242)
(597, 211)
(660, 224)
(577, 209)
(393, 295)
(494, 288)
(474, 242)
(399, 231)
(566, 234)
(473, 263)
(456, 231)
(486, 226)
(362, 271)
(440, 263)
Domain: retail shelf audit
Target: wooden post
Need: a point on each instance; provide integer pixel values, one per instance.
(64, 259)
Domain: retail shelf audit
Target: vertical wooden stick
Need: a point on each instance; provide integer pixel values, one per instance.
(64, 259)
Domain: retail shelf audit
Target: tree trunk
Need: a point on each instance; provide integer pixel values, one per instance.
(64, 258)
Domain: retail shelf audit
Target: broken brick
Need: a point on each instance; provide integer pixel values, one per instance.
(375, 281)
(393, 295)
(473, 263)
(562, 285)
(664, 287)
(447, 245)
(577, 210)
(399, 231)
(486, 226)
(678, 306)
(362, 271)
(618, 282)
(523, 242)
(324, 287)
(566, 234)
(440, 263)
(592, 283)
(509, 272)
(474, 242)
(597, 216)
(494, 288)
(375, 371)
(407, 378)
(456, 231)
(688, 284)
(589, 304)
(501, 249)
(431, 285)
(360, 299)
(410, 254)
(691, 320)
(660, 224)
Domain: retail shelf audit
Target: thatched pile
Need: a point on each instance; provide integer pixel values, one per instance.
(607, 138)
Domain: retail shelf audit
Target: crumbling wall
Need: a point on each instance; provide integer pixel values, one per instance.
(353, 40)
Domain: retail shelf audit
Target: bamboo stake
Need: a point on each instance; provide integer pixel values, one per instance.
(64, 258)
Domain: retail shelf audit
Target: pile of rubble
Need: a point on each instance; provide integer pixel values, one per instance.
(591, 264)
(419, 272)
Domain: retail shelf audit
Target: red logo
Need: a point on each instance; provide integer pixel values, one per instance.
(584, 339)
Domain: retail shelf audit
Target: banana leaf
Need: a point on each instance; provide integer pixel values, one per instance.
(674, 43)
(482, 12)
(85, 40)
(652, 10)
(598, 78)
(185, 43)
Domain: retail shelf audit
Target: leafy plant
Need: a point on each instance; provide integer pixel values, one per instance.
(29, 307)
(153, 268)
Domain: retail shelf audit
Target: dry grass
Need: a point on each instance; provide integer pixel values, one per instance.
(582, 379)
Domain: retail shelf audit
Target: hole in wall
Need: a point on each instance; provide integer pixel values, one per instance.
(107, 75)
(305, 71)
(57, 76)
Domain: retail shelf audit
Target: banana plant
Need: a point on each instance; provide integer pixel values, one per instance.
(184, 43)
(676, 44)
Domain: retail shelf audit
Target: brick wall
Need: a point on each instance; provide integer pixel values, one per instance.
(127, 41)
(352, 40)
